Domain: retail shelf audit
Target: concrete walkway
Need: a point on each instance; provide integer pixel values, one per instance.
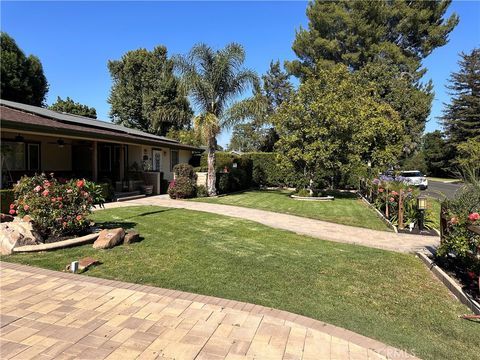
(52, 315)
(300, 225)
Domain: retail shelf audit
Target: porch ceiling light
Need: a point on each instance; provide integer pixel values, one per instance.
(60, 143)
(19, 138)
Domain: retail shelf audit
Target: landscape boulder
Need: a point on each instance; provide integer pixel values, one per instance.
(17, 233)
(109, 238)
(131, 236)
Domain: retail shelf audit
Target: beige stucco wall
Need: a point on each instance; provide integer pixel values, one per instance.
(136, 153)
(53, 157)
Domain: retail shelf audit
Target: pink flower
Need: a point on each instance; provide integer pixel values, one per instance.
(394, 193)
(80, 183)
(380, 190)
(79, 217)
(45, 193)
(12, 212)
(69, 191)
(54, 199)
(59, 198)
(26, 207)
(37, 188)
(474, 216)
(392, 199)
(60, 206)
(46, 183)
(64, 224)
(12, 206)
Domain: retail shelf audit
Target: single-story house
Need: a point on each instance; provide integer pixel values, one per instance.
(35, 139)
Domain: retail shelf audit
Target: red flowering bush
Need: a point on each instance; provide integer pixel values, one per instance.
(56, 208)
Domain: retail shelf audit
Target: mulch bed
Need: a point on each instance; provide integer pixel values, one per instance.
(468, 282)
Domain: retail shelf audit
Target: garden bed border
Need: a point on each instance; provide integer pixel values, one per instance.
(87, 239)
(379, 213)
(450, 283)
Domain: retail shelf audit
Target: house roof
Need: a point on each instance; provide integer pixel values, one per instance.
(26, 117)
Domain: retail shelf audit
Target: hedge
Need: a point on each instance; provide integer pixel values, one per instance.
(260, 169)
(7, 197)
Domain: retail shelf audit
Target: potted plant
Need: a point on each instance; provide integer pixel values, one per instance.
(147, 189)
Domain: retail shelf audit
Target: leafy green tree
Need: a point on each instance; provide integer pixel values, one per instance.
(246, 138)
(22, 77)
(187, 136)
(259, 134)
(213, 79)
(437, 153)
(357, 32)
(469, 154)
(333, 127)
(461, 117)
(71, 107)
(390, 38)
(145, 93)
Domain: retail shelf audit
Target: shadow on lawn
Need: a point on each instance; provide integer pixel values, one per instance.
(116, 224)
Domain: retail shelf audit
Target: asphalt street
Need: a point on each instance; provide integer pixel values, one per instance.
(441, 190)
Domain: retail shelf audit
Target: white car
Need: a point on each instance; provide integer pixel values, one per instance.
(415, 178)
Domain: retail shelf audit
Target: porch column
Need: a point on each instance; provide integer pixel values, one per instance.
(122, 162)
(94, 161)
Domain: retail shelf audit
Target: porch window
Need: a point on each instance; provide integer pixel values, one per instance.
(173, 159)
(33, 156)
(13, 155)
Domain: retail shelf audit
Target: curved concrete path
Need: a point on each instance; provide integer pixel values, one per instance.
(300, 225)
(52, 315)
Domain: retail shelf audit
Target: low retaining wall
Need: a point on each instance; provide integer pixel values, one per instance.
(450, 283)
(87, 239)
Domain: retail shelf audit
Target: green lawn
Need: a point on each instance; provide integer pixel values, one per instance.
(388, 296)
(346, 209)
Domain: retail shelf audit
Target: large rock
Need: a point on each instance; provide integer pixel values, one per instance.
(131, 236)
(15, 234)
(109, 238)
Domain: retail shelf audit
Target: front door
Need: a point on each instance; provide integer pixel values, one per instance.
(157, 160)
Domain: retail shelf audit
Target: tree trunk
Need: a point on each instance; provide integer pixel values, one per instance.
(212, 176)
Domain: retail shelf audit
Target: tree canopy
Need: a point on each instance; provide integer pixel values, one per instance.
(145, 92)
(461, 117)
(357, 32)
(334, 126)
(259, 134)
(71, 107)
(22, 77)
(214, 79)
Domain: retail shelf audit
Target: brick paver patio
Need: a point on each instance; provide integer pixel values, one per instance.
(53, 315)
(300, 225)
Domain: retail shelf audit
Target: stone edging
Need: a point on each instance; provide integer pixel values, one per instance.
(312, 198)
(379, 213)
(450, 283)
(374, 345)
(87, 239)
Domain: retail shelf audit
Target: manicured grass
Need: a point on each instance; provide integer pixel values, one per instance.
(434, 212)
(388, 296)
(346, 209)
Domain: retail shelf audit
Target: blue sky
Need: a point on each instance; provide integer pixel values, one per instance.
(75, 40)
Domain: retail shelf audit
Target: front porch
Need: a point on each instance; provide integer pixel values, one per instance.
(127, 167)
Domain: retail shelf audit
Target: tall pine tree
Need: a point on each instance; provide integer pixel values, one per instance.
(461, 117)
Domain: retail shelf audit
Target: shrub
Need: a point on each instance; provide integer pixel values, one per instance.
(181, 188)
(184, 170)
(303, 193)
(56, 208)
(107, 190)
(6, 198)
(202, 191)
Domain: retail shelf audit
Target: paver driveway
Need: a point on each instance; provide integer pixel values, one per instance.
(304, 226)
(47, 314)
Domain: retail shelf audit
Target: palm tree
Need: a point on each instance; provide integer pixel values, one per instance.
(214, 79)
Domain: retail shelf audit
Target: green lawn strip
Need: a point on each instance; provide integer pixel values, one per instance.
(434, 212)
(388, 296)
(346, 209)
